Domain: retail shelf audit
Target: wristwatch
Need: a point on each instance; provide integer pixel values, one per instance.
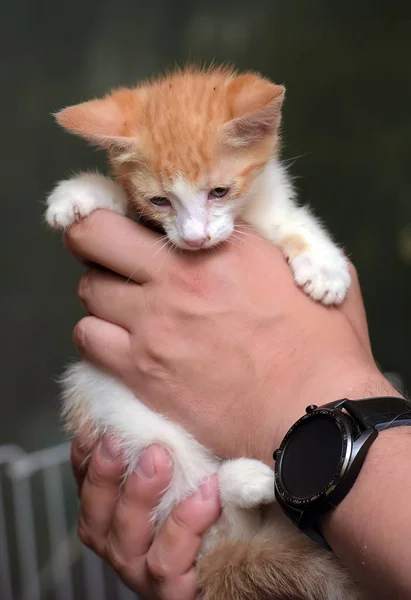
(322, 454)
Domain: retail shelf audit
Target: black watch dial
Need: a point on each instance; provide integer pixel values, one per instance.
(312, 456)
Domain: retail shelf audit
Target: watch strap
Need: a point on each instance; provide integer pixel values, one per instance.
(380, 413)
(369, 416)
(304, 521)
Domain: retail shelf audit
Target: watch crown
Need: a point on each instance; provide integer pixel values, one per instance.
(276, 454)
(311, 409)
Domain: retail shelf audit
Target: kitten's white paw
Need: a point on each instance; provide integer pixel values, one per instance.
(74, 199)
(246, 483)
(324, 277)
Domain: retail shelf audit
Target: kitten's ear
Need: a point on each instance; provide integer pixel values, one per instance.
(103, 122)
(256, 105)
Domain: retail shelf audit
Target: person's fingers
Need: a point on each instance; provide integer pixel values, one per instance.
(104, 344)
(99, 494)
(117, 243)
(171, 557)
(132, 528)
(182, 587)
(109, 296)
(81, 449)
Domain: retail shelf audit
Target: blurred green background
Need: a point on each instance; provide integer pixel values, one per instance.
(347, 117)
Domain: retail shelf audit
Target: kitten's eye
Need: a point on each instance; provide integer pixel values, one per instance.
(160, 201)
(219, 192)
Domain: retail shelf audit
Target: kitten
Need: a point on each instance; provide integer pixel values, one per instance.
(195, 152)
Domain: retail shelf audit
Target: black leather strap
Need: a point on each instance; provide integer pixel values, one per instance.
(380, 413)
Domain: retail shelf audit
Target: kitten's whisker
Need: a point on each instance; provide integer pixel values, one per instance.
(293, 159)
(124, 175)
(161, 239)
(244, 226)
(171, 248)
(240, 240)
(166, 243)
(130, 277)
(245, 234)
(163, 243)
(140, 213)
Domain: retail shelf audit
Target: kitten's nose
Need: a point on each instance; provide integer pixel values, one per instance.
(198, 242)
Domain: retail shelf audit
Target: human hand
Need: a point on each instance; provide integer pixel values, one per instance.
(115, 521)
(223, 341)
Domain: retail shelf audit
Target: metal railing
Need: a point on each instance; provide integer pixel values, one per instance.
(41, 557)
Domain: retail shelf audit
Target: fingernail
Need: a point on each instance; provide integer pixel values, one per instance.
(108, 449)
(145, 467)
(207, 489)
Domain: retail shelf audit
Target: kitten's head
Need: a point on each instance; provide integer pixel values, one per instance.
(186, 147)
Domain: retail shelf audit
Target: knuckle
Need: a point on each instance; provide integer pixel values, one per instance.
(105, 474)
(179, 521)
(102, 475)
(84, 286)
(115, 557)
(131, 494)
(79, 334)
(85, 534)
(79, 472)
(77, 456)
(188, 280)
(79, 231)
(149, 359)
(157, 565)
(158, 346)
(131, 570)
(94, 476)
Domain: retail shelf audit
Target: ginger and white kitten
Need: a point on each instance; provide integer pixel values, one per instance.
(195, 152)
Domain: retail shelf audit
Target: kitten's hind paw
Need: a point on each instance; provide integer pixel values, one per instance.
(324, 278)
(246, 483)
(76, 198)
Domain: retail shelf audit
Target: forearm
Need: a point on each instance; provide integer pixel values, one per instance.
(371, 529)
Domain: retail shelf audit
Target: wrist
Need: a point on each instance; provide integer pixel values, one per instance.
(337, 380)
(363, 529)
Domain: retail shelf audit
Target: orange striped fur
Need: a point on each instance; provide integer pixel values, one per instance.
(191, 122)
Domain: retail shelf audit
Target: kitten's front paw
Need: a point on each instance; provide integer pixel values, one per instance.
(76, 198)
(324, 278)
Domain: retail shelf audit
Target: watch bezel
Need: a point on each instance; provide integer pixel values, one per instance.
(344, 425)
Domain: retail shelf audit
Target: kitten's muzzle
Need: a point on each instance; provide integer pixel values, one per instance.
(198, 242)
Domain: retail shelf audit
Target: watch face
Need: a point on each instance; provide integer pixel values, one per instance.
(312, 456)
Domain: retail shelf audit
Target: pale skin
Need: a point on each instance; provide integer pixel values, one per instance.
(225, 344)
